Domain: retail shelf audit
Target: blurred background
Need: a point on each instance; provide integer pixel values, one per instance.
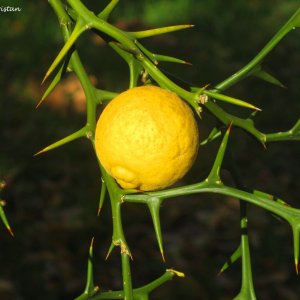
(52, 199)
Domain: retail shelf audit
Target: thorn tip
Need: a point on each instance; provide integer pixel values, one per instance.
(10, 232)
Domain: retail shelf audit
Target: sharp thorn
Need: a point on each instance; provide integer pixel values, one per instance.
(40, 152)
(111, 247)
(230, 125)
(45, 78)
(40, 102)
(107, 255)
(10, 232)
(99, 211)
(188, 63)
(297, 266)
(92, 242)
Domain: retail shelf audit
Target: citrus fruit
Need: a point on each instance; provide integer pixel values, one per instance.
(146, 138)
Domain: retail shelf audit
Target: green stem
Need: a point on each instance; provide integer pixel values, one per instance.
(226, 118)
(127, 285)
(246, 70)
(286, 212)
(118, 238)
(102, 25)
(247, 289)
(78, 68)
(141, 292)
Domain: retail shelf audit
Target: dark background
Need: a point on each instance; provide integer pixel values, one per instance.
(52, 199)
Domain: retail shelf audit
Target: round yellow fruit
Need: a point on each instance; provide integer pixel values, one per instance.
(146, 138)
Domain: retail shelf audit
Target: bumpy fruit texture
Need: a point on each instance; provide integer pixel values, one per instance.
(147, 138)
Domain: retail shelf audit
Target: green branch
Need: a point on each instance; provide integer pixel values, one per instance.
(246, 71)
(141, 293)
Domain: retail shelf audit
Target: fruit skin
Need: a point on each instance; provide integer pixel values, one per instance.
(147, 138)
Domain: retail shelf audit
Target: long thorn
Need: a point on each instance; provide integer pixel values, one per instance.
(80, 133)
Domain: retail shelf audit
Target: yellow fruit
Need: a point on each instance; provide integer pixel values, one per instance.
(146, 138)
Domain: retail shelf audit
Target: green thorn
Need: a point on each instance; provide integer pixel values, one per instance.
(111, 247)
(215, 133)
(296, 128)
(229, 99)
(129, 56)
(52, 85)
(80, 133)
(102, 196)
(294, 21)
(154, 206)
(158, 31)
(4, 219)
(233, 258)
(155, 58)
(105, 13)
(90, 278)
(79, 28)
(171, 59)
(296, 234)
(215, 171)
(260, 73)
(90, 289)
(103, 95)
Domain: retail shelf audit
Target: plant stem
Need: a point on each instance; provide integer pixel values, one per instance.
(246, 70)
(126, 273)
(78, 68)
(247, 289)
(288, 213)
